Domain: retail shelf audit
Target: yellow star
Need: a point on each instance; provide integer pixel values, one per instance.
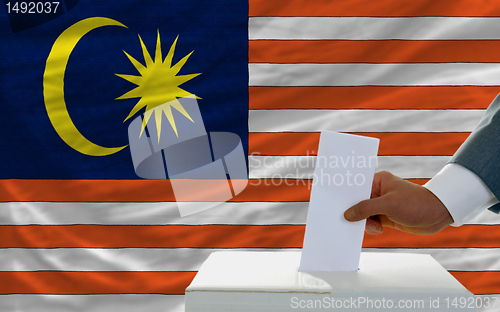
(158, 84)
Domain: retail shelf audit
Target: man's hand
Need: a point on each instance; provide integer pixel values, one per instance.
(402, 205)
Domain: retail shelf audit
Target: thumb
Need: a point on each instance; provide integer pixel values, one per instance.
(366, 209)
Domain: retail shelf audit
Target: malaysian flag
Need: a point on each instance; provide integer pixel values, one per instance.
(84, 233)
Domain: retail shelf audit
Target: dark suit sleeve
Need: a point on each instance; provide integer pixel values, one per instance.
(480, 153)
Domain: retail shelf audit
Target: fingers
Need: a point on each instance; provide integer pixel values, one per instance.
(378, 204)
(380, 180)
(376, 224)
(366, 209)
(373, 226)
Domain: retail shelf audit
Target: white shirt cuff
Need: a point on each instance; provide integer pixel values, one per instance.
(462, 192)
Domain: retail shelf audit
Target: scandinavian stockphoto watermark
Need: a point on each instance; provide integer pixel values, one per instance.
(205, 169)
(325, 170)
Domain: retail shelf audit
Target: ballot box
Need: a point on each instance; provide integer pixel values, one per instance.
(241, 281)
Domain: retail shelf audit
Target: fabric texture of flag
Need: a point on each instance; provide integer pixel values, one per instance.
(84, 233)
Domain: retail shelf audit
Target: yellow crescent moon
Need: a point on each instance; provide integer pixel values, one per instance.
(53, 86)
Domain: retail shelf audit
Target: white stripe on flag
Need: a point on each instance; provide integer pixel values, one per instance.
(422, 74)
(315, 120)
(92, 303)
(244, 213)
(258, 213)
(302, 167)
(367, 28)
(130, 303)
(185, 259)
(456, 259)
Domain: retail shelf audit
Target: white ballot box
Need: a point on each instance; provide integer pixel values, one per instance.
(241, 281)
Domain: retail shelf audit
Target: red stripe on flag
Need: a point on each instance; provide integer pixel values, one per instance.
(85, 190)
(373, 8)
(381, 51)
(371, 97)
(225, 236)
(411, 144)
(466, 236)
(276, 190)
(479, 283)
(166, 283)
(85, 283)
(257, 190)
(292, 190)
(151, 236)
(418, 181)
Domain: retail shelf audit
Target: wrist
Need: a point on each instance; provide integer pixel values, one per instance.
(442, 216)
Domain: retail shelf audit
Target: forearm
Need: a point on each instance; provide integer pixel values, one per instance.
(480, 153)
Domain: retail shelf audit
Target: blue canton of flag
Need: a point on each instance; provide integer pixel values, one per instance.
(87, 100)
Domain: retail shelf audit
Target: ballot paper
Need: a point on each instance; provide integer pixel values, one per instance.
(343, 176)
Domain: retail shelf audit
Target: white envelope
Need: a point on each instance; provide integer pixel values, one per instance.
(343, 176)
